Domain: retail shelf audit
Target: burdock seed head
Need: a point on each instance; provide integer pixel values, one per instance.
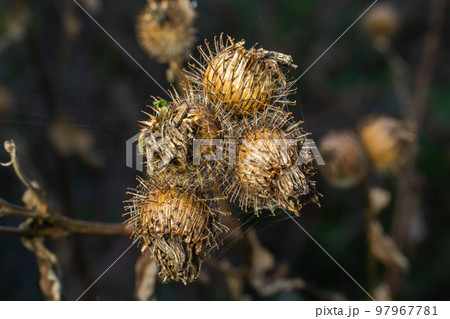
(176, 227)
(260, 158)
(164, 29)
(381, 23)
(346, 162)
(169, 141)
(385, 139)
(243, 80)
(269, 172)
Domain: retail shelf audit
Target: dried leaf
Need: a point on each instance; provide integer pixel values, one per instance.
(379, 199)
(15, 24)
(262, 260)
(283, 284)
(235, 283)
(235, 278)
(69, 139)
(10, 147)
(146, 276)
(47, 263)
(33, 201)
(382, 292)
(384, 248)
(71, 24)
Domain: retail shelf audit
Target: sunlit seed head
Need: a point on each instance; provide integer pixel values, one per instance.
(177, 228)
(243, 80)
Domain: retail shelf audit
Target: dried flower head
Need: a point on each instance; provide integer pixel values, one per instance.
(381, 24)
(271, 169)
(385, 139)
(176, 227)
(345, 159)
(165, 31)
(169, 139)
(243, 80)
(236, 96)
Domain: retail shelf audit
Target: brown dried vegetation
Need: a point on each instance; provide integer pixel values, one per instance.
(236, 97)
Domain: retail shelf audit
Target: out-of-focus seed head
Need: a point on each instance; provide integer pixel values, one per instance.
(385, 140)
(346, 162)
(165, 31)
(245, 81)
(381, 24)
(176, 227)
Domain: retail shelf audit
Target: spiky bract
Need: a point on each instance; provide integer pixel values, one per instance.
(243, 80)
(169, 143)
(177, 228)
(271, 168)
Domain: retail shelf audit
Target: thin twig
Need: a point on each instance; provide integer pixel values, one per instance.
(59, 225)
(90, 228)
(52, 223)
(45, 232)
(427, 65)
(7, 208)
(10, 147)
(400, 76)
(372, 271)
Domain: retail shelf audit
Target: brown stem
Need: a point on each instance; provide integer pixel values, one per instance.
(90, 228)
(10, 147)
(371, 261)
(56, 224)
(372, 272)
(46, 232)
(16, 210)
(59, 225)
(427, 65)
(408, 186)
(400, 74)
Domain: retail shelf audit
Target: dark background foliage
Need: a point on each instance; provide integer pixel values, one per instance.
(66, 67)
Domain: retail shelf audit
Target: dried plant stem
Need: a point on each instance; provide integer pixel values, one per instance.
(42, 222)
(371, 261)
(92, 228)
(400, 74)
(372, 271)
(25, 232)
(408, 187)
(46, 222)
(427, 65)
(57, 225)
(275, 286)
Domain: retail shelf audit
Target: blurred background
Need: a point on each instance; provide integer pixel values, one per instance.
(70, 98)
